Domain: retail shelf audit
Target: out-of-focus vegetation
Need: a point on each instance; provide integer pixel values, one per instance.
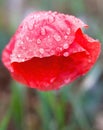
(75, 107)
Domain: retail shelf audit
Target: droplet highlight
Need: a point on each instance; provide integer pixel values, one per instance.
(89, 61)
(59, 49)
(68, 31)
(57, 37)
(43, 31)
(52, 80)
(41, 50)
(51, 19)
(67, 80)
(38, 41)
(18, 55)
(65, 46)
(66, 54)
(65, 37)
(31, 24)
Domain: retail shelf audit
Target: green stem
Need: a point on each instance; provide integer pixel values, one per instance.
(80, 116)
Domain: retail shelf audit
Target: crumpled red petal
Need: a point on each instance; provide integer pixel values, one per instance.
(52, 54)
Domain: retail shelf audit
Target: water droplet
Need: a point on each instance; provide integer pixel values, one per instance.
(18, 55)
(52, 52)
(50, 19)
(89, 60)
(41, 50)
(27, 38)
(43, 31)
(67, 80)
(65, 37)
(21, 35)
(55, 13)
(66, 54)
(31, 24)
(23, 47)
(22, 60)
(59, 49)
(57, 37)
(38, 41)
(46, 84)
(18, 42)
(68, 31)
(52, 80)
(49, 12)
(65, 46)
(50, 43)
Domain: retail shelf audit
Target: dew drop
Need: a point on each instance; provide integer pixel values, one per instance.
(89, 60)
(21, 35)
(57, 37)
(19, 42)
(55, 13)
(22, 60)
(38, 41)
(59, 49)
(52, 80)
(67, 81)
(30, 25)
(65, 37)
(50, 43)
(23, 47)
(18, 55)
(27, 38)
(68, 31)
(66, 54)
(41, 50)
(52, 52)
(46, 84)
(50, 19)
(49, 12)
(43, 31)
(65, 46)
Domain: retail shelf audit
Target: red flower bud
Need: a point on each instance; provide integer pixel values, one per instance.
(49, 50)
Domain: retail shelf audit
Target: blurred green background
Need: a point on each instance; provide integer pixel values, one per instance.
(78, 106)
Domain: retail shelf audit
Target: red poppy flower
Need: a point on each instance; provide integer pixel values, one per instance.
(49, 50)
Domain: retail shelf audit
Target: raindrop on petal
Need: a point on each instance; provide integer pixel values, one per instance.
(41, 50)
(18, 55)
(50, 43)
(23, 47)
(59, 49)
(43, 31)
(30, 24)
(68, 31)
(38, 41)
(67, 80)
(66, 54)
(52, 52)
(52, 80)
(22, 60)
(65, 37)
(57, 37)
(89, 60)
(65, 46)
(50, 19)
(27, 38)
(19, 42)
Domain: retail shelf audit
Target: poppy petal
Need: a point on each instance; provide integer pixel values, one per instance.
(49, 50)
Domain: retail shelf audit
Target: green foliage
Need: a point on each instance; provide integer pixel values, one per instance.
(4, 38)
(4, 123)
(17, 105)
